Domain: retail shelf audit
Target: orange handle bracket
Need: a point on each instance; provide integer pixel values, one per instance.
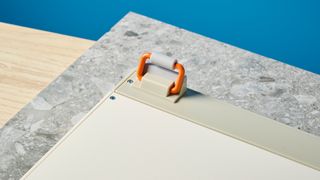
(175, 89)
(141, 65)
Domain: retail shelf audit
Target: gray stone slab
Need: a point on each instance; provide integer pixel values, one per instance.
(262, 85)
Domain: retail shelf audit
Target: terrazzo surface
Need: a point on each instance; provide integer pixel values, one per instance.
(256, 83)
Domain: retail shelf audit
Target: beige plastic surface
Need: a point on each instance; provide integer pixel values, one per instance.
(155, 84)
(141, 136)
(124, 139)
(236, 122)
(159, 71)
(158, 86)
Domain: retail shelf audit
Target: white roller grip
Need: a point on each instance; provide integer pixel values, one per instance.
(162, 60)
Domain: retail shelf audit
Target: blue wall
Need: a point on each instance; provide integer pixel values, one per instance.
(285, 30)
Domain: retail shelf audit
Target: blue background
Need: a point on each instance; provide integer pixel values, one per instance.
(288, 31)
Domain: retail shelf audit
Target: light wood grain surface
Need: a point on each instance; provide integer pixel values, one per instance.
(29, 60)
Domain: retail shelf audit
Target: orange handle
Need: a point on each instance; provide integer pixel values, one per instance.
(179, 81)
(142, 62)
(175, 89)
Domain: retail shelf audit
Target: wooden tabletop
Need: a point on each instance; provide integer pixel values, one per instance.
(29, 60)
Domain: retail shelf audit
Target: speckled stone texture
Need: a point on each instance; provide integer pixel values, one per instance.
(259, 84)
